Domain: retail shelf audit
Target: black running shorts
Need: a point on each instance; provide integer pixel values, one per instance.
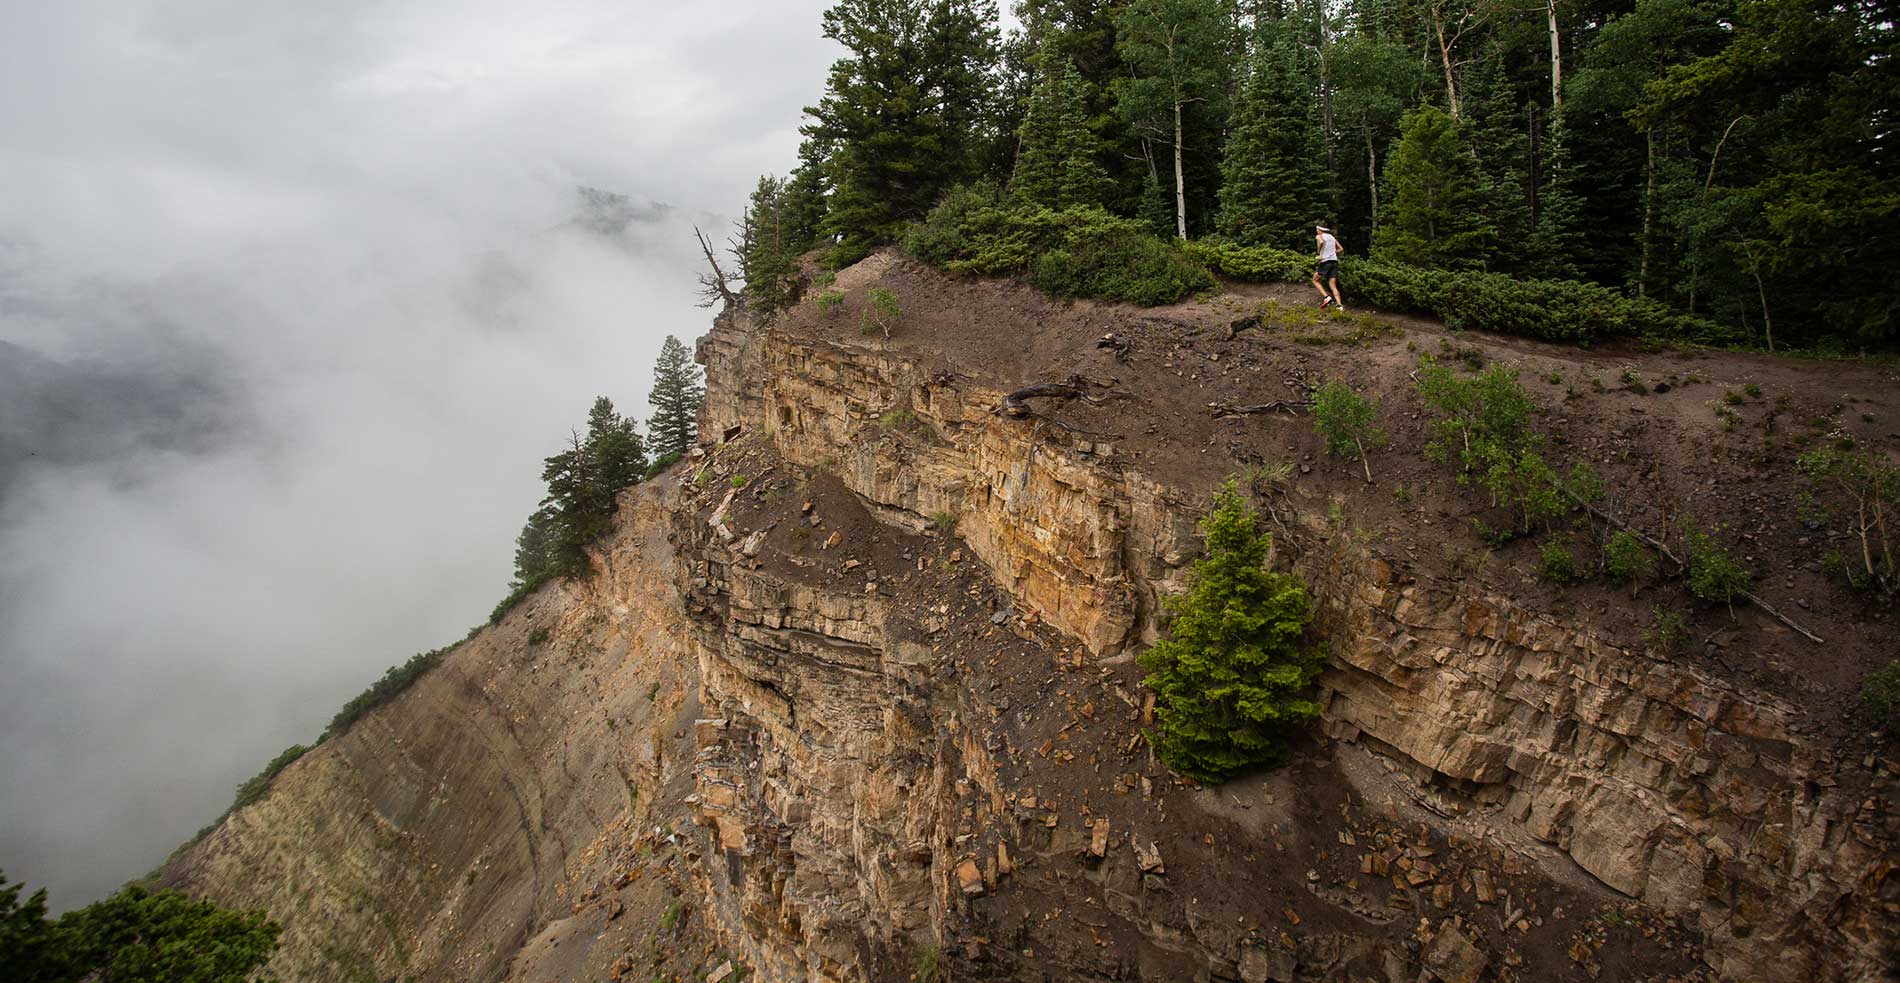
(1329, 270)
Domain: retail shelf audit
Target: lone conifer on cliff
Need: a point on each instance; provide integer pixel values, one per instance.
(676, 396)
(1232, 676)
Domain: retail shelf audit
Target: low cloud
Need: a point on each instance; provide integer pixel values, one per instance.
(293, 299)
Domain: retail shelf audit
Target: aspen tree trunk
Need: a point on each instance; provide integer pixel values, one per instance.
(1372, 178)
(1649, 211)
(1180, 180)
(1325, 94)
(1556, 58)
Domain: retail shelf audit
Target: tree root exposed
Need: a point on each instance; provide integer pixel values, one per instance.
(1016, 404)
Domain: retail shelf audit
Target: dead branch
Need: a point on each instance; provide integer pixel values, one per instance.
(1016, 403)
(1222, 411)
(1681, 565)
(714, 286)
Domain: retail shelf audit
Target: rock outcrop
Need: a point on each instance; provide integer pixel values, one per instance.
(874, 643)
(1689, 792)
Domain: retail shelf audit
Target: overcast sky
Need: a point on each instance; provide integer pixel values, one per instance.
(291, 307)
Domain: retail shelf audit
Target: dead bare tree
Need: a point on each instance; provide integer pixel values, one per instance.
(1450, 21)
(717, 285)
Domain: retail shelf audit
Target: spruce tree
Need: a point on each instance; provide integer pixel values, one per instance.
(1273, 169)
(1493, 127)
(583, 482)
(1556, 235)
(1232, 676)
(1436, 216)
(676, 396)
(767, 249)
(1058, 166)
(902, 111)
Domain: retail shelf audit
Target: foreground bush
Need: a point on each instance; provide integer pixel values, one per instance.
(135, 936)
(1232, 676)
(1073, 252)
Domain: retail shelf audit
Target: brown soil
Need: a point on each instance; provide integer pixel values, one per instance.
(1651, 422)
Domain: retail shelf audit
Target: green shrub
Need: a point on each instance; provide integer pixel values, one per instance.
(927, 965)
(1075, 252)
(253, 790)
(539, 636)
(1555, 562)
(1713, 574)
(1555, 310)
(1880, 693)
(1254, 264)
(393, 684)
(883, 313)
(1626, 558)
(1868, 483)
(659, 465)
(831, 301)
(516, 596)
(1232, 676)
(1667, 630)
(1345, 418)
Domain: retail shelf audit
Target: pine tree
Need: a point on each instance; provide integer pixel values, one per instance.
(1082, 32)
(1058, 166)
(1556, 236)
(583, 482)
(767, 250)
(537, 548)
(1273, 169)
(676, 396)
(1494, 130)
(1436, 216)
(902, 111)
(134, 936)
(1373, 80)
(1230, 679)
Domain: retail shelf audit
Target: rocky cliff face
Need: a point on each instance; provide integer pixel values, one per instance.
(1664, 783)
(876, 646)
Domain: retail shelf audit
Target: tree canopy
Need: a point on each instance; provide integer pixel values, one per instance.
(1727, 157)
(135, 936)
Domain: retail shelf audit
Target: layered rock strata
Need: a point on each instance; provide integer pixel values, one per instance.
(1663, 782)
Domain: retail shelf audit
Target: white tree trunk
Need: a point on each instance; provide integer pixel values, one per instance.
(1649, 211)
(1180, 179)
(1372, 178)
(1556, 58)
(1444, 56)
